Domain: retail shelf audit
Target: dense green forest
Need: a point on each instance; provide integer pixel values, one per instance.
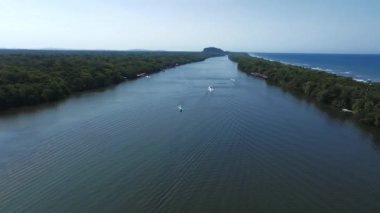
(363, 99)
(30, 77)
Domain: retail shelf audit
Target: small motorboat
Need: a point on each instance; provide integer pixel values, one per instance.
(180, 108)
(210, 88)
(347, 110)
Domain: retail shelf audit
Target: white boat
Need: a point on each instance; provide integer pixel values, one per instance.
(210, 88)
(347, 110)
(180, 108)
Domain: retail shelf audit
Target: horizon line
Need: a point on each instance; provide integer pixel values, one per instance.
(155, 50)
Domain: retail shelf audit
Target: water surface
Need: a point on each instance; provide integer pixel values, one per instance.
(361, 67)
(244, 147)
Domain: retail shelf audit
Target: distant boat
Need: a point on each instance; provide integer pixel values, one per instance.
(347, 110)
(232, 79)
(147, 76)
(210, 88)
(259, 75)
(140, 74)
(180, 108)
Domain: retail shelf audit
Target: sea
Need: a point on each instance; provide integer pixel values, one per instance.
(361, 67)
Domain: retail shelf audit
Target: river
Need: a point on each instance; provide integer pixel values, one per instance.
(246, 146)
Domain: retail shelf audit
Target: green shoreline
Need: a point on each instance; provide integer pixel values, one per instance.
(360, 99)
(29, 77)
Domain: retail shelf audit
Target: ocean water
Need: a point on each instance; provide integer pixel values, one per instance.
(358, 66)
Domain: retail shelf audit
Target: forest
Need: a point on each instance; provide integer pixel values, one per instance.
(338, 92)
(29, 77)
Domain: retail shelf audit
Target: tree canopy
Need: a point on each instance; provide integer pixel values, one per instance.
(339, 92)
(30, 77)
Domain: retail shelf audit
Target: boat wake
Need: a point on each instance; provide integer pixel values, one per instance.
(180, 108)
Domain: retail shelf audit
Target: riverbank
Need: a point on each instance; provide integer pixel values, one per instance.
(34, 77)
(341, 93)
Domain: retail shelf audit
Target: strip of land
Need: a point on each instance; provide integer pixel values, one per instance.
(341, 93)
(32, 77)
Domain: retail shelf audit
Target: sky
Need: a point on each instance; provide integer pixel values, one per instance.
(303, 26)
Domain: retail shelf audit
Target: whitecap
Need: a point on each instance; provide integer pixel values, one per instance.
(317, 68)
(360, 80)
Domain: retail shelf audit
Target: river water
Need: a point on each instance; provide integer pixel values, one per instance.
(244, 147)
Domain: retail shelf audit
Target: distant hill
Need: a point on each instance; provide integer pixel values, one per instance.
(213, 50)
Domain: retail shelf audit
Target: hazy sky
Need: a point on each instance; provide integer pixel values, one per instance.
(238, 25)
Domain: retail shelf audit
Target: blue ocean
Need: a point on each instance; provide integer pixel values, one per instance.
(359, 67)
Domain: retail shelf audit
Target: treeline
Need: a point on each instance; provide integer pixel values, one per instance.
(363, 99)
(32, 77)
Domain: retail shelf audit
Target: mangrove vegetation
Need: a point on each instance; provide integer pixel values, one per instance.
(30, 77)
(362, 99)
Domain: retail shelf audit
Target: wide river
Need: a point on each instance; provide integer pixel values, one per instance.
(245, 147)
